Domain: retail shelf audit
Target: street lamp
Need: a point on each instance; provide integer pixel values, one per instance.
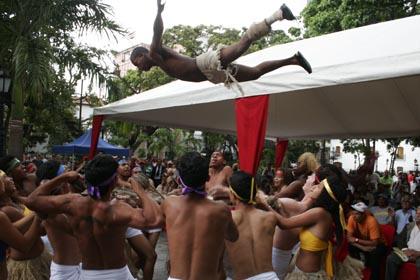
(4, 92)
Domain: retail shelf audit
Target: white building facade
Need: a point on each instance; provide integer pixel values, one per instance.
(406, 160)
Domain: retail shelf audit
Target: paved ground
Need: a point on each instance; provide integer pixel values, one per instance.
(162, 257)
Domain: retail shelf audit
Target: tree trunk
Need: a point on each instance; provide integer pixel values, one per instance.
(16, 138)
(16, 123)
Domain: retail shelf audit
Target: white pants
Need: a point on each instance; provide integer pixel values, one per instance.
(170, 278)
(264, 276)
(281, 260)
(107, 274)
(64, 272)
(132, 232)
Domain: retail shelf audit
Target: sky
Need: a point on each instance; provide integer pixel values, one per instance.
(138, 16)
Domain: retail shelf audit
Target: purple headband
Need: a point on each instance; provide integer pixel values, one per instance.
(187, 190)
(94, 192)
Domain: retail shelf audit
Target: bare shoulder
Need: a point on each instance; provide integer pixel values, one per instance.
(319, 212)
(12, 213)
(3, 217)
(227, 170)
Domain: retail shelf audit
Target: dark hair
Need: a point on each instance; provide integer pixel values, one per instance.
(338, 187)
(47, 170)
(138, 51)
(4, 162)
(327, 170)
(264, 183)
(100, 169)
(193, 170)
(241, 182)
(288, 176)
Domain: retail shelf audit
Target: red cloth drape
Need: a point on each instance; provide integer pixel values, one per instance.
(96, 129)
(281, 147)
(251, 122)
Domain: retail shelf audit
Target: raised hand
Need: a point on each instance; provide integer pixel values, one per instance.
(73, 176)
(161, 5)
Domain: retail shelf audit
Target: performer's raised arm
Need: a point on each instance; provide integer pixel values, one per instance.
(42, 201)
(157, 30)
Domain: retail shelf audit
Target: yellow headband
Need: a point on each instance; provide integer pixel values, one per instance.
(330, 192)
(251, 198)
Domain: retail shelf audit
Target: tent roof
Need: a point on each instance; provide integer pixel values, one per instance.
(81, 145)
(365, 83)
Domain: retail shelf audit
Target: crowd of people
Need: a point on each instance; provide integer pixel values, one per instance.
(103, 218)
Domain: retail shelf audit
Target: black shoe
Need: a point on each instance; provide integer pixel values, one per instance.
(287, 13)
(303, 62)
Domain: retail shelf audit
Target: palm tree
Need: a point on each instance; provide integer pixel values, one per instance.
(36, 47)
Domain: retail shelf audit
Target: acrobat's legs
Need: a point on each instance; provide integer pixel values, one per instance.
(246, 73)
(255, 31)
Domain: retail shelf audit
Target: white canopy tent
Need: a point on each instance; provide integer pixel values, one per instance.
(365, 83)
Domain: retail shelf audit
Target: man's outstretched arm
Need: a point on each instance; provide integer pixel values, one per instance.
(40, 199)
(156, 45)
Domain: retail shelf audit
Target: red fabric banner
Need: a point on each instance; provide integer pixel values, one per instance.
(251, 123)
(281, 147)
(96, 129)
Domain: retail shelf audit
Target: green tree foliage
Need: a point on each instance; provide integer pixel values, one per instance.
(38, 49)
(298, 147)
(327, 16)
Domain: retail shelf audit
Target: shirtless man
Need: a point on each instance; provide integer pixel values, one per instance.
(98, 225)
(196, 226)
(13, 168)
(65, 249)
(286, 240)
(215, 66)
(250, 255)
(219, 173)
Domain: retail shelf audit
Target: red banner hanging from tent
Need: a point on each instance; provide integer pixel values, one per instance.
(96, 129)
(281, 147)
(251, 123)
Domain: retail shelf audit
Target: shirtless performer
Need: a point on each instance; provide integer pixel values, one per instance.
(219, 173)
(285, 240)
(98, 225)
(196, 226)
(250, 255)
(215, 66)
(13, 168)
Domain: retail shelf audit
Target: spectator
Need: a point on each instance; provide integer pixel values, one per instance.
(403, 217)
(412, 253)
(278, 180)
(382, 212)
(157, 172)
(386, 180)
(365, 238)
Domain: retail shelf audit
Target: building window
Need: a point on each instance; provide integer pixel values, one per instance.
(337, 151)
(400, 153)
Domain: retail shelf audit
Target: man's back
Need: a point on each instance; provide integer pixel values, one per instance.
(250, 255)
(100, 237)
(196, 229)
